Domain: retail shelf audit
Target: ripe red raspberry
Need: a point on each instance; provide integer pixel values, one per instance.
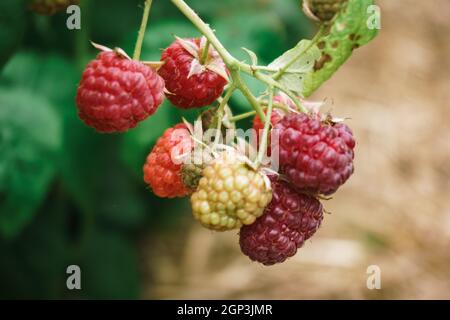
(287, 222)
(317, 157)
(115, 93)
(163, 168)
(49, 7)
(190, 83)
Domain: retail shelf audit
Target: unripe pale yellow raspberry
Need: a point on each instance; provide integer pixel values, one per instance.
(230, 194)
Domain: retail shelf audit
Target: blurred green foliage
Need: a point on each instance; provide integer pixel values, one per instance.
(69, 195)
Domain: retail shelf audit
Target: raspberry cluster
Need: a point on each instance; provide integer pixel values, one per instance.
(275, 214)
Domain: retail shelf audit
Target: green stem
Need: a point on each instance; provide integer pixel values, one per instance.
(248, 94)
(205, 53)
(316, 38)
(205, 30)
(220, 113)
(140, 39)
(271, 82)
(252, 113)
(242, 116)
(264, 138)
(233, 64)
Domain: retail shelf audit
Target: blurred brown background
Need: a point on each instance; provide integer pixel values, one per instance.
(394, 212)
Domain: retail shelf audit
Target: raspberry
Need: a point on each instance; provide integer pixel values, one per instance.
(317, 157)
(161, 172)
(191, 84)
(325, 10)
(115, 93)
(229, 194)
(288, 221)
(49, 7)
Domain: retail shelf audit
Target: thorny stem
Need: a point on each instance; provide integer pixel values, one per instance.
(232, 63)
(253, 113)
(248, 94)
(264, 138)
(205, 30)
(140, 39)
(220, 113)
(242, 116)
(258, 72)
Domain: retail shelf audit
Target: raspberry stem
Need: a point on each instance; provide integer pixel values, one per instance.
(248, 94)
(140, 39)
(264, 104)
(205, 30)
(243, 116)
(220, 112)
(205, 53)
(264, 138)
(235, 65)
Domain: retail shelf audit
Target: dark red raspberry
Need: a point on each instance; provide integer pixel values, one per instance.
(161, 172)
(317, 157)
(115, 93)
(287, 222)
(188, 86)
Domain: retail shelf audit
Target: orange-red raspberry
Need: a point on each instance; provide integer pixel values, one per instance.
(287, 222)
(163, 168)
(116, 93)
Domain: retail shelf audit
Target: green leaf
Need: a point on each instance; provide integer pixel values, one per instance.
(30, 139)
(348, 32)
(296, 62)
